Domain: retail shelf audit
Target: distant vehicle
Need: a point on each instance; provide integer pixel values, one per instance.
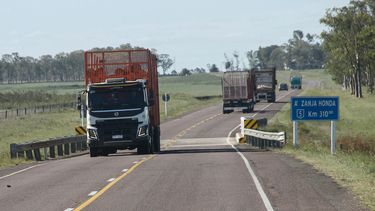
(283, 86)
(238, 91)
(295, 80)
(265, 84)
(122, 101)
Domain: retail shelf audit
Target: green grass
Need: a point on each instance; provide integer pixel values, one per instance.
(193, 85)
(35, 127)
(354, 165)
(49, 87)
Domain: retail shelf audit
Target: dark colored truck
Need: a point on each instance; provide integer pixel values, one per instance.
(122, 101)
(265, 84)
(238, 91)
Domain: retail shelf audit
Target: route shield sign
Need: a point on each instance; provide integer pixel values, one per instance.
(315, 108)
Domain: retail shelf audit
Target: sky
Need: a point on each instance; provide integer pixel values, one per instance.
(194, 32)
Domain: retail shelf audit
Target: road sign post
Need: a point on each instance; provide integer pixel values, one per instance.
(333, 137)
(295, 133)
(321, 108)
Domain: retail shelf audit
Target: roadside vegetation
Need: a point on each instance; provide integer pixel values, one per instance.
(353, 166)
(185, 92)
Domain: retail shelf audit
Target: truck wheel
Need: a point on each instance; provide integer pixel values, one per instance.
(157, 140)
(93, 152)
(145, 148)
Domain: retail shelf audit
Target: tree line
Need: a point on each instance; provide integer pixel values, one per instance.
(60, 67)
(349, 44)
(300, 52)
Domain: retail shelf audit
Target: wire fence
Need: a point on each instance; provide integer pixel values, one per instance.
(13, 113)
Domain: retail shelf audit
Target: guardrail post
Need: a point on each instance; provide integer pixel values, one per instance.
(29, 155)
(84, 145)
(66, 149)
(37, 155)
(52, 153)
(73, 147)
(45, 153)
(60, 150)
(21, 154)
(13, 151)
(79, 146)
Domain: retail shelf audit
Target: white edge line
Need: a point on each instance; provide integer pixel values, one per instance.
(124, 170)
(92, 193)
(135, 162)
(20, 171)
(263, 195)
(69, 209)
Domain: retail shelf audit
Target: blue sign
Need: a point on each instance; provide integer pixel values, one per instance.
(315, 108)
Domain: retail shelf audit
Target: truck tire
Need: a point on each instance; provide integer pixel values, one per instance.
(157, 140)
(145, 148)
(93, 152)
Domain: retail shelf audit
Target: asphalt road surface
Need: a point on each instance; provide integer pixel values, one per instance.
(200, 168)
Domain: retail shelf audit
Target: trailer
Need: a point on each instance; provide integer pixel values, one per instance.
(238, 91)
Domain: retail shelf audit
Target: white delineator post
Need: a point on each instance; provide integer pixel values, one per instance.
(242, 126)
(295, 133)
(333, 137)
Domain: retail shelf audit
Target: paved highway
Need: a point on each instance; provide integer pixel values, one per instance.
(198, 169)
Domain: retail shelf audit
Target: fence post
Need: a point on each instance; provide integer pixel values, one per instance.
(13, 151)
(17, 111)
(25, 111)
(6, 114)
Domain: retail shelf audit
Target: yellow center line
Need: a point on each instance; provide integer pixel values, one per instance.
(107, 187)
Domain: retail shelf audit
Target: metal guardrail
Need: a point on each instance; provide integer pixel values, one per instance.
(65, 146)
(262, 139)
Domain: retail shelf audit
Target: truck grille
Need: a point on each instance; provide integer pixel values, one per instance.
(108, 128)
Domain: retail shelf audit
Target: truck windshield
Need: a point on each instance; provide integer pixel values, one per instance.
(264, 80)
(112, 98)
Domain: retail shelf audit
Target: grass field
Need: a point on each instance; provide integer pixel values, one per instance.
(183, 91)
(354, 165)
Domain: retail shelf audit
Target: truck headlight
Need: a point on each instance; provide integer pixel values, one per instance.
(143, 131)
(92, 133)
